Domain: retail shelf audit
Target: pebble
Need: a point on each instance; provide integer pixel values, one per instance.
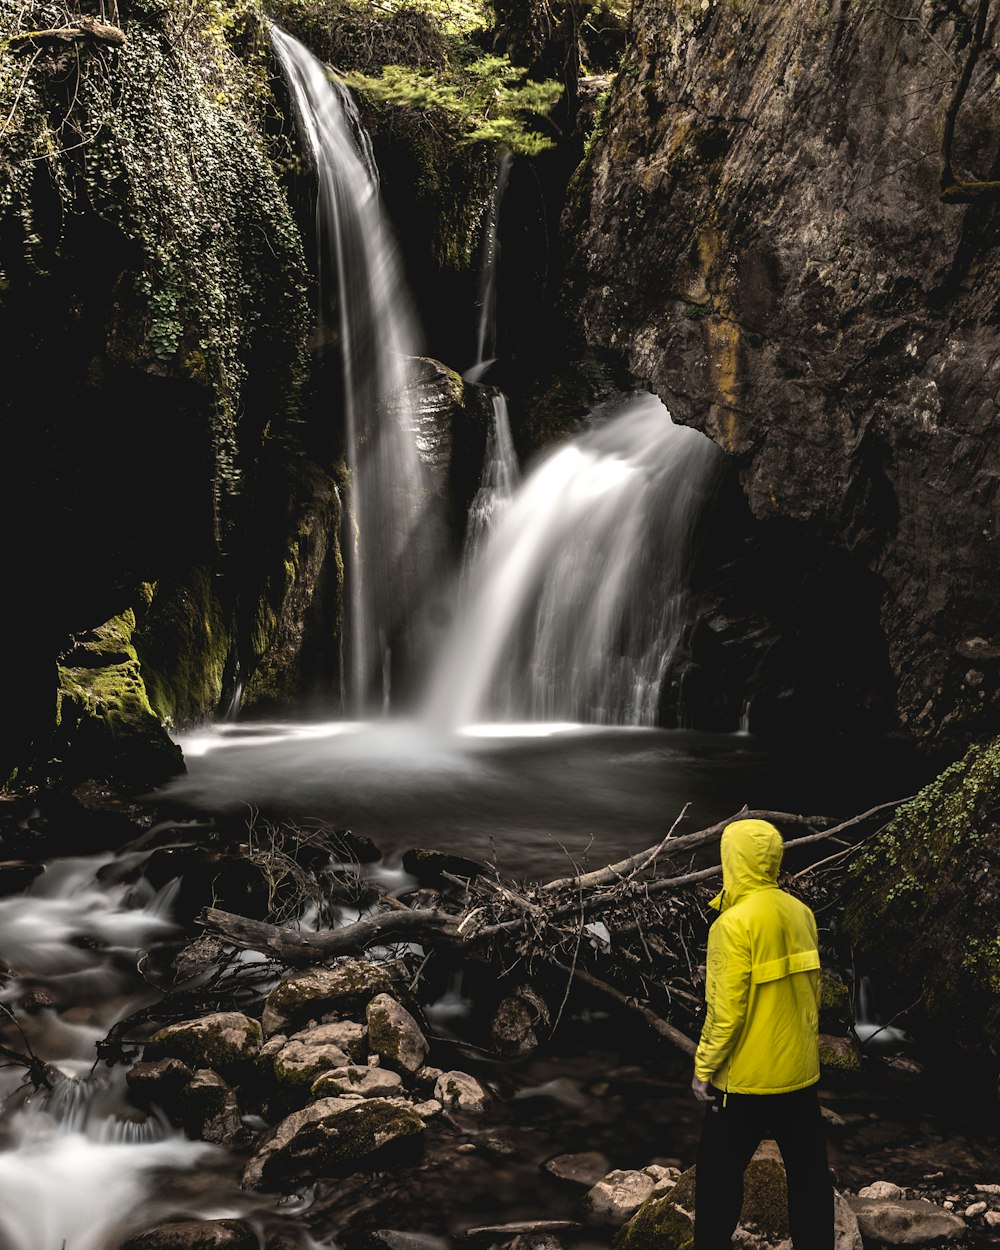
(987, 1189)
(881, 1189)
(975, 1208)
(992, 1218)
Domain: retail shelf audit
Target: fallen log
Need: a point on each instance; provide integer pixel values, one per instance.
(655, 919)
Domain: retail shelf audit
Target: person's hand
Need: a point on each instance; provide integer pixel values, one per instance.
(701, 1090)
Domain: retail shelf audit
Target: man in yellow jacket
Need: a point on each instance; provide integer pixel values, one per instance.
(757, 1062)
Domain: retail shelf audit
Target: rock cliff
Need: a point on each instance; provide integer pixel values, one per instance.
(788, 227)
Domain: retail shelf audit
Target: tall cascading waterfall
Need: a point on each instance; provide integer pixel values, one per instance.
(575, 605)
(486, 292)
(389, 552)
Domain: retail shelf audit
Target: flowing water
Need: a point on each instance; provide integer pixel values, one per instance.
(389, 541)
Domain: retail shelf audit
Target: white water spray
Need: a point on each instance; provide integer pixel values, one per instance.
(578, 599)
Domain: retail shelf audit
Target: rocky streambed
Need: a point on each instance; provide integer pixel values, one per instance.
(167, 1091)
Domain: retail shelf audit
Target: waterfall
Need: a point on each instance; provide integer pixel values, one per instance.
(576, 603)
(500, 478)
(364, 302)
(486, 294)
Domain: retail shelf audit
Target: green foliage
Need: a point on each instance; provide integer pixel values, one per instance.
(923, 896)
(488, 99)
(161, 140)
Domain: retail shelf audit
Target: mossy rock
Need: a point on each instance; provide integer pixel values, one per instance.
(348, 985)
(330, 1137)
(835, 1010)
(225, 1041)
(922, 898)
(838, 1056)
(666, 1221)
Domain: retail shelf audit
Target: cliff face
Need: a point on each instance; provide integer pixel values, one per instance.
(783, 227)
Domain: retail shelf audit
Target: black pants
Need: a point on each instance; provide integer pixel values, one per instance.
(731, 1134)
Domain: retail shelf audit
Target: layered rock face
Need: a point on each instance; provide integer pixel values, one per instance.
(784, 229)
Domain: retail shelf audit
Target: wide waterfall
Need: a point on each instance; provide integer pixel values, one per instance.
(365, 303)
(576, 603)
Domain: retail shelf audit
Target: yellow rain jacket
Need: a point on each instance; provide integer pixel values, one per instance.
(761, 1029)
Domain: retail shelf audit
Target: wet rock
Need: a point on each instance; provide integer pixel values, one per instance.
(904, 1222)
(394, 1035)
(515, 1023)
(881, 1189)
(348, 985)
(195, 1235)
(585, 1168)
(398, 1239)
(328, 1137)
(838, 1055)
(460, 1092)
(157, 1081)
(616, 1197)
(665, 1221)
(226, 1041)
(209, 1109)
(429, 867)
(369, 1082)
(310, 1053)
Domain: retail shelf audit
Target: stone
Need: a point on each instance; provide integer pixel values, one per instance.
(368, 1081)
(838, 1055)
(209, 1109)
(904, 1222)
(616, 1197)
(665, 1221)
(974, 1209)
(157, 1081)
(225, 1041)
(992, 1218)
(329, 1137)
(395, 1036)
(348, 985)
(195, 1235)
(459, 1091)
(309, 1054)
(585, 1168)
(881, 1189)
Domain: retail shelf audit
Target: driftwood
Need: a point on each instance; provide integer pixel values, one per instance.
(632, 931)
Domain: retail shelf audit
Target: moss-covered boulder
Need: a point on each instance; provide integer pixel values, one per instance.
(105, 724)
(371, 1081)
(225, 1041)
(922, 900)
(395, 1036)
(196, 1235)
(311, 1052)
(343, 987)
(838, 1056)
(666, 1222)
(329, 1137)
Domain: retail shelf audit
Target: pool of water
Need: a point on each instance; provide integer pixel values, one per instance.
(536, 798)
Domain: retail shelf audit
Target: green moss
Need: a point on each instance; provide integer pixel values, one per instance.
(836, 1010)
(160, 139)
(923, 895)
(662, 1222)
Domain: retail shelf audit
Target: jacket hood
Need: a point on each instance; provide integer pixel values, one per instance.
(751, 853)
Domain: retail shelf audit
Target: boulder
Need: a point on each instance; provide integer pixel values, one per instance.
(329, 1137)
(665, 1221)
(348, 985)
(225, 1041)
(311, 1052)
(616, 1197)
(585, 1168)
(904, 1221)
(458, 1091)
(209, 1109)
(195, 1235)
(395, 1036)
(369, 1082)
